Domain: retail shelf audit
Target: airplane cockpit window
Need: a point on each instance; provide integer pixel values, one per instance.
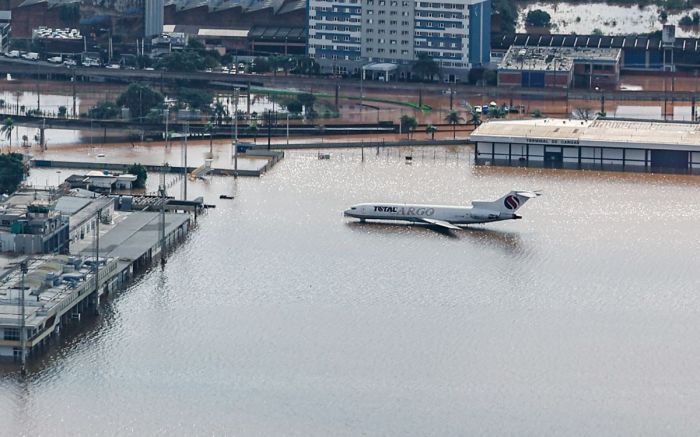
(353, 208)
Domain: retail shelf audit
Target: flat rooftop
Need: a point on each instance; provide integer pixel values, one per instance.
(593, 133)
(532, 58)
(134, 236)
(50, 281)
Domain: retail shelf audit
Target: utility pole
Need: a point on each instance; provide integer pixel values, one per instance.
(97, 253)
(166, 113)
(161, 192)
(269, 128)
(75, 114)
(248, 113)
(184, 159)
(22, 322)
(38, 94)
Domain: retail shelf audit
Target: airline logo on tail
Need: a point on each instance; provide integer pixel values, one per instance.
(511, 202)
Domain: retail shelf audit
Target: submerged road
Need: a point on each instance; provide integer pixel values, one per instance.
(37, 69)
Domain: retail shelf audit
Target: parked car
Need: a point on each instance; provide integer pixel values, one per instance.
(32, 56)
(55, 59)
(12, 54)
(70, 63)
(113, 66)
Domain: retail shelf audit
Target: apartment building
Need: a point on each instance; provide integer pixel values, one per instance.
(348, 35)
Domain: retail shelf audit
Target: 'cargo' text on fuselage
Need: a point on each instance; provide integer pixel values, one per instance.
(406, 211)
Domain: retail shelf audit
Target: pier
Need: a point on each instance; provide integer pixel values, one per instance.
(41, 295)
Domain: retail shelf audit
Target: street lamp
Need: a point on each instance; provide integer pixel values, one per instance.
(58, 178)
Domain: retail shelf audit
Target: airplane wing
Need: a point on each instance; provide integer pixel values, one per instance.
(440, 223)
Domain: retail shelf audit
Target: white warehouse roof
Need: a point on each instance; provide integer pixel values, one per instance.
(593, 133)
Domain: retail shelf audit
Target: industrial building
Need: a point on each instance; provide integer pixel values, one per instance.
(246, 28)
(597, 144)
(345, 35)
(559, 67)
(58, 289)
(663, 52)
(30, 225)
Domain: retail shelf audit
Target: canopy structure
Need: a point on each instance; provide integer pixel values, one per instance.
(379, 67)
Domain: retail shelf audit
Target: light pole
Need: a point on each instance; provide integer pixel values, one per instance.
(166, 114)
(362, 82)
(287, 128)
(58, 178)
(22, 322)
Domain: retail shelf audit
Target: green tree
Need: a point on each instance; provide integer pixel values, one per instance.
(195, 98)
(308, 100)
(62, 111)
(425, 67)
(454, 119)
(219, 112)
(538, 18)
(261, 65)
(497, 112)
(141, 174)
(305, 65)
(182, 61)
(11, 172)
(253, 129)
(475, 118)
(430, 130)
(408, 124)
(536, 113)
(295, 107)
(104, 111)
(140, 99)
(507, 12)
(7, 126)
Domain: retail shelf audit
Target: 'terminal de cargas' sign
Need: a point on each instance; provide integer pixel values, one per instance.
(555, 141)
(400, 210)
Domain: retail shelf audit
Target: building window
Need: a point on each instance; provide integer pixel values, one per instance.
(11, 334)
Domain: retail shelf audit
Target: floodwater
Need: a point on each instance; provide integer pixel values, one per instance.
(278, 316)
(582, 18)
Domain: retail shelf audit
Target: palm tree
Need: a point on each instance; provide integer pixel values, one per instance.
(219, 112)
(430, 129)
(408, 124)
(475, 118)
(453, 118)
(6, 129)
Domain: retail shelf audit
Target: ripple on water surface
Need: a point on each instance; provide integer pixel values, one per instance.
(280, 316)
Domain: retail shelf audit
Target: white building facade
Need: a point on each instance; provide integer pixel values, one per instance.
(344, 35)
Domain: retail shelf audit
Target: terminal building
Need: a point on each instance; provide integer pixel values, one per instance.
(597, 144)
(559, 67)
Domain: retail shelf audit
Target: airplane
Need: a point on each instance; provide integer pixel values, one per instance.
(445, 216)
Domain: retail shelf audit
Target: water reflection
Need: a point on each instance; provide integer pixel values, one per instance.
(278, 316)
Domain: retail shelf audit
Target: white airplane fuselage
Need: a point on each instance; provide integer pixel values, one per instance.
(446, 216)
(458, 215)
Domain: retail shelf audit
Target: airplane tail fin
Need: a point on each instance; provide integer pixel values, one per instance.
(511, 202)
